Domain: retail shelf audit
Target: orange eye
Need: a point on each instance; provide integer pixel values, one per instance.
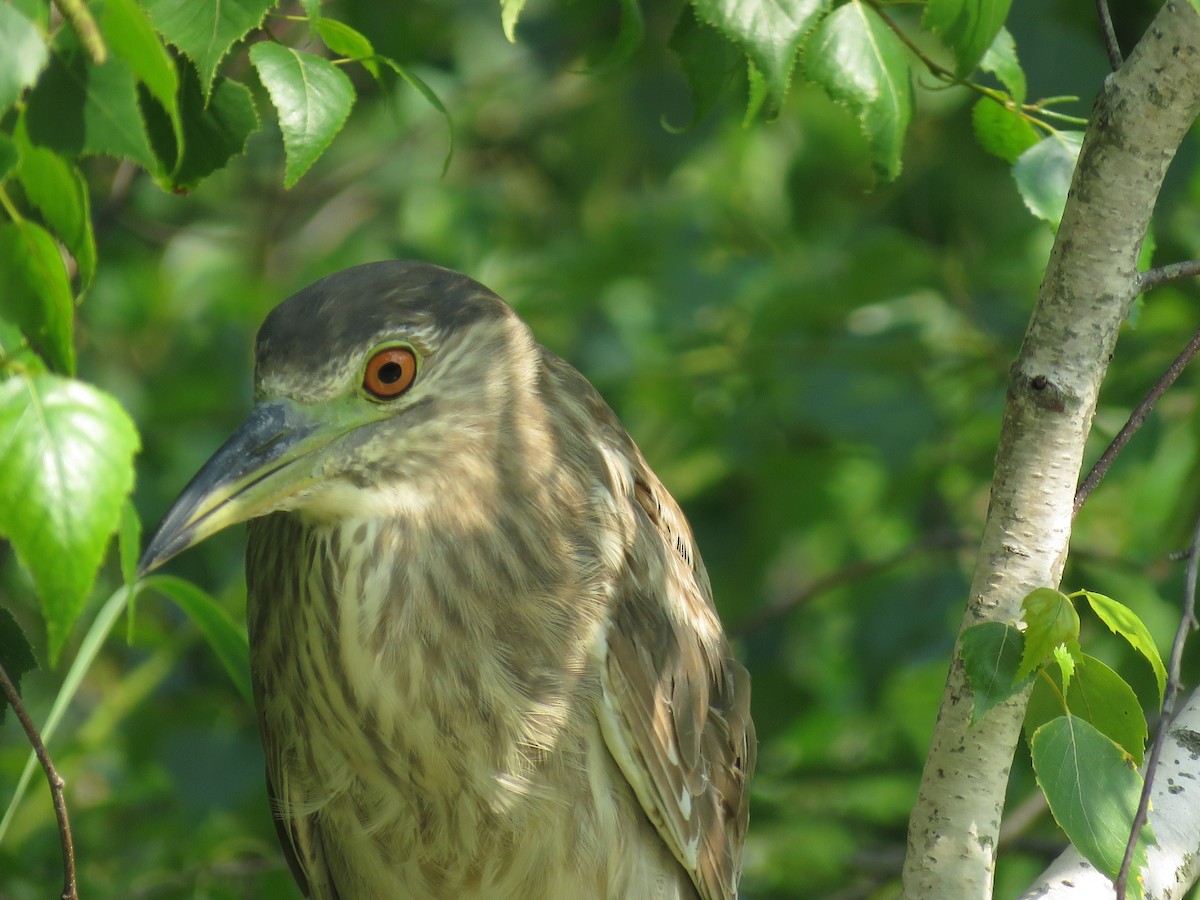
(390, 372)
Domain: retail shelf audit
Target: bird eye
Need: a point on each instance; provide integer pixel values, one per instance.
(390, 372)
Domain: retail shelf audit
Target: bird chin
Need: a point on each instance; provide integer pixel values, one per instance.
(338, 501)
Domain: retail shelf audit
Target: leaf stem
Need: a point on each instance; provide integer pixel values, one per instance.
(70, 889)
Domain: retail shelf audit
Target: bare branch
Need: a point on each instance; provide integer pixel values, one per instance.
(70, 889)
(1110, 35)
(1152, 278)
(1136, 420)
(1187, 624)
(854, 572)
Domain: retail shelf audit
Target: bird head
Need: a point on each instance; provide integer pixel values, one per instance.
(371, 387)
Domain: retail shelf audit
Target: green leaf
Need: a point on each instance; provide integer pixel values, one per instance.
(1043, 174)
(66, 464)
(967, 26)
(708, 61)
(1093, 790)
(861, 63)
(16, 656)
(1001, 60)
(345, 41)
(1102, 697)
(1066, 663)
(768, 31)
(37, 294)
(1001, 130)
(991, 653)
(1046, 702)
(81, 109)
(93, 639)
(24, 55)
(129, 538)
(313, 98)
(510, 11)
(59, 192)
(9, 157)
(1050, 620)
(131, 36)
(214, 131)
(629, 38)
(1122, 620)
(206, 31)
(15, 350)
(227, 639)
(431, 98)
(129, 546)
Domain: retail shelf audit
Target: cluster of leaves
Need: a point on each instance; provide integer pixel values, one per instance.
(860, 52)
(1084, 724)
(139, 83)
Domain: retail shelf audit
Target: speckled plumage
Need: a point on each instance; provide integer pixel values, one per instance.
(483, 646)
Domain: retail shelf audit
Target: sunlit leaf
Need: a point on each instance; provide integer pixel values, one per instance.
(1050, 620)
(1043, 174)
(37, 294)
(1124, 621)
(1001, 60)
(510, 11)
(1000, 130)
(313, 98)
(24, 54)
(1093, 789)
(206, 31)
(861, 63)
(345, 41)
(66, 465)
(768, 31)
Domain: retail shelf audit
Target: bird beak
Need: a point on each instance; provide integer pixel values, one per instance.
(251, 475)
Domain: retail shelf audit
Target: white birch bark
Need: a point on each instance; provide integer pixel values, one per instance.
(1173, 863)
(1142, 114)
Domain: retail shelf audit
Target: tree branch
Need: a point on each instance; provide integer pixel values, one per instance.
(1152, 278)
(1142, 114)
(1109, 34)
(1136, 420)
(1187, 623)
(70, 890)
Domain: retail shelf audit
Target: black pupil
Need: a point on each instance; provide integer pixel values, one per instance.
(390, 372)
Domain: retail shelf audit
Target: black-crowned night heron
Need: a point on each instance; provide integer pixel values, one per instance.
(485, 656)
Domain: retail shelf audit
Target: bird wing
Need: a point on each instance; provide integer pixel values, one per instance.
(675, 711)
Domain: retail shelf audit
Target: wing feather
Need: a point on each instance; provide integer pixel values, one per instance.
(676, 706)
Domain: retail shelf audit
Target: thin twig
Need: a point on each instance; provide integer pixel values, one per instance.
(1136, 419)
(80, 17)
(1187, 623)
(70, 890)
(1153, 278)
(1110, 35)
(853, 572)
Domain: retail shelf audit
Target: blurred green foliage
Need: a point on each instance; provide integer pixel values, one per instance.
(815, 369)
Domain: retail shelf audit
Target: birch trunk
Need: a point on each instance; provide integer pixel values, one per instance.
(1140, 117)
